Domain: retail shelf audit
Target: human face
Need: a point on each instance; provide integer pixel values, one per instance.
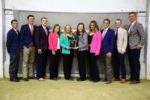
(132, 17)
(44, 22)
(92, 26)
(80, 28)
(118, 24)
(14, 24)
(106, 24)
(31, 20)
(68, 29)
(57, 29)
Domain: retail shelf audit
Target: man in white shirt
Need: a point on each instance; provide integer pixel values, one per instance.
(121, 43)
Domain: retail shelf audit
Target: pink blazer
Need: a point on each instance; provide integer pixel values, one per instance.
(95, 45)
(52, 41)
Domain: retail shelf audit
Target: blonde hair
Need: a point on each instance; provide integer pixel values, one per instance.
(65, 33)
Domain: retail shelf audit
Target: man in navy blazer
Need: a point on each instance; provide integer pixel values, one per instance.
(41, 42)
(108, 37)
(28, 45)
(13, 48)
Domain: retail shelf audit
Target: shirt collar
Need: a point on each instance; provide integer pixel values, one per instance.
(133, 22)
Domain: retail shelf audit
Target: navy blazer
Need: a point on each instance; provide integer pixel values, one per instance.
(13, 42)
(26, 37)
(108, 41)
(41, 39)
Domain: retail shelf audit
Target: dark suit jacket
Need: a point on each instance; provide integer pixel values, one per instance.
(13, 42)
(108, 41)
(26, 37)
(41, 39)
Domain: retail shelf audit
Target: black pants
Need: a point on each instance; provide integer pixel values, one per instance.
(41, 63)
(67, 65)
(121, 65)
(13, 66)
(134, 56)
(94, 71)
(115, 62)
(82, 57)
(54, 64)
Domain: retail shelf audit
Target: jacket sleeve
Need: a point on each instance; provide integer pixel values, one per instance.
(62, 44)
(37, 38)
(22, 35)
(111, 41)
(85, 41)
(141, 33)
(51, 41)
(8, 42)
(125, 40)
(99, 40)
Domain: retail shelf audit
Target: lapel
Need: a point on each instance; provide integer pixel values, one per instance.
(106, 34)
(28, 28)
(133, 27)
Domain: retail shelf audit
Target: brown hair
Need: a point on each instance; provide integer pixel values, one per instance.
(119, 20)
(95, 24)
(55, 27)
(43, 18)
(77, 32)
(30, 16)
(14, 20)
(108, 20)
(135, 13)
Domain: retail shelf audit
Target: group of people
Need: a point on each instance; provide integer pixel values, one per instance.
(39, 44)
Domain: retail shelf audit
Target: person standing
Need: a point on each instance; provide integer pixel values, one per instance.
(13, 48)
(67, 42)
(41, 43)
(136, 39)
(121, 42)
(54, 47)
(27, 41)
(94, 40)
(108, 37)
(82, 47)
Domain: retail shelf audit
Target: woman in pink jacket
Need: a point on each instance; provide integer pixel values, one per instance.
(94, 42)
(54, 47)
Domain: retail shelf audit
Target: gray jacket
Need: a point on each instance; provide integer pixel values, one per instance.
(136, 35)
(83, 42)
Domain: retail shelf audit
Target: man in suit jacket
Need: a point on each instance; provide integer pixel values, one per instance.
(136, 39)
(121, 43)
(13, 48)
(107, 48)
(41, 42)
(28, 45)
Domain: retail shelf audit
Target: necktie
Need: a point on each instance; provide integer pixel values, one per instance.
(130, 27)
(116, 34)
(31, 29)
(46, 31)
(104, 33)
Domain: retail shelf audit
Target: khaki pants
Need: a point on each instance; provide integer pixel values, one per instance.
(108, 67)
(28, 62)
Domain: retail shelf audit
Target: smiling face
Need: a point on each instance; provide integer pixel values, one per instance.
(106, 24)
(57, 29)
(67, 29)
(92, 26)
(80, 28)
(118, 23)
